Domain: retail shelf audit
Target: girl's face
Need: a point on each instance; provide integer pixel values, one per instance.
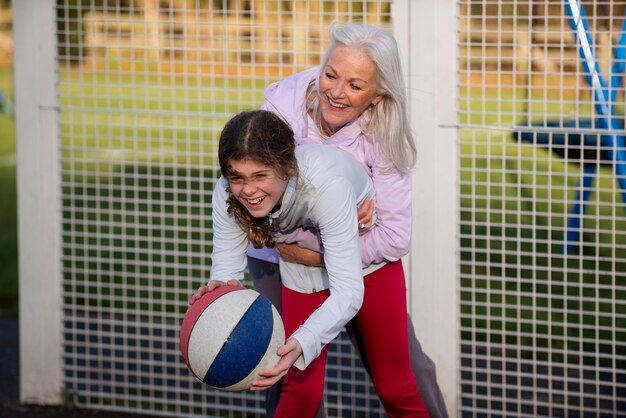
(257, 186)
(347, 86)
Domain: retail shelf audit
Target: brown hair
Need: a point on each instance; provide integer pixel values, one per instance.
(265, 138)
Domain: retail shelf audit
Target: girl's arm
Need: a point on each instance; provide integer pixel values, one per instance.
(213, 284)
(335, 212)
(230, 241)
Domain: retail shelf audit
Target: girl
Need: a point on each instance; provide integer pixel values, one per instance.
(269, 188)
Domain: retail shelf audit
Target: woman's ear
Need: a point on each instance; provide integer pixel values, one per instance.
(377, 99)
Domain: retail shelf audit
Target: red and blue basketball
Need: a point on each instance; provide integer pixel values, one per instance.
(228, 335)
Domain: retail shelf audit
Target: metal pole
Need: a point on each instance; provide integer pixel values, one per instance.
(427, 36)
(38, 172)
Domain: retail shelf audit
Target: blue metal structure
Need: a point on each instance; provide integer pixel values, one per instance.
(611, 147)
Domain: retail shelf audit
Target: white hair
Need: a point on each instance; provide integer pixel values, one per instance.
(387, 122)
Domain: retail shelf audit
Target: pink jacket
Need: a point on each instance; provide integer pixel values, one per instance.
(390, 238)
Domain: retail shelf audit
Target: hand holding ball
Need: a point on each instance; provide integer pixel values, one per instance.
(229, 335)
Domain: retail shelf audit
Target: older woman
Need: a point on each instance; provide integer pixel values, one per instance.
(356, 101)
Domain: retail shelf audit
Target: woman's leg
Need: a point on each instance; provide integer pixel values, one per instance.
(302, 390)
(266, 279)
(382, 322)
(422, 366)
(426, 377)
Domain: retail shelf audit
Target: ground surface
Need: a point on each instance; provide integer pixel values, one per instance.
(9, 383)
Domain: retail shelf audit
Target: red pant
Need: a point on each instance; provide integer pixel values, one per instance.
(382, 321)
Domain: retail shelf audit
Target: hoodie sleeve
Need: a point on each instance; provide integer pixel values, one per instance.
(269, 90)
(230, 242)
(287, 97)
(391, 237)
(336, 212)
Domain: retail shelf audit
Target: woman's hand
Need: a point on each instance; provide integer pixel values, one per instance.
(213, 284)
(289, 353)
(365, 212)
(296, 254)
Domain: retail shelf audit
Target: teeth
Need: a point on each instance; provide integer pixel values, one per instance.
(255, 201)
(336, 104)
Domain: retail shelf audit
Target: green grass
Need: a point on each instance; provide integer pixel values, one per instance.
(138, 169)
(514, 192)
(518, 287)
(113, 112)
(110, 119)
(138, 153)
(146, 236)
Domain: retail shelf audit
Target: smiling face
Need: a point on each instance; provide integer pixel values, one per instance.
(256, 186)
(347, 86)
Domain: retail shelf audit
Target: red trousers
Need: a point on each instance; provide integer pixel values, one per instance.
(382, 321)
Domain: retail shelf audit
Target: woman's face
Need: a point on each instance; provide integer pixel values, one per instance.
(257, 186)
(347, 86)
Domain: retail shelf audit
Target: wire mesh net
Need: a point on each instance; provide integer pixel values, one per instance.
(145, 88)
(542, 212)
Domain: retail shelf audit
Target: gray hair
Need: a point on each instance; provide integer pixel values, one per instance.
(386, 123)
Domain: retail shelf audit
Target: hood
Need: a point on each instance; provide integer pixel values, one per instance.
(287, 98)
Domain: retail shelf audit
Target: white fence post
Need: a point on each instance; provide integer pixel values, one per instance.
(427, 31)
(38, 159)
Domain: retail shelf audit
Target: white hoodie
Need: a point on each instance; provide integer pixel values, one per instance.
(330, 186)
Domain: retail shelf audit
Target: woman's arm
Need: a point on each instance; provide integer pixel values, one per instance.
(302, 246)
(366, 215)
(390, 238)
(294, 253)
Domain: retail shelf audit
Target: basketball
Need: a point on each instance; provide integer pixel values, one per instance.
(228, 335)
